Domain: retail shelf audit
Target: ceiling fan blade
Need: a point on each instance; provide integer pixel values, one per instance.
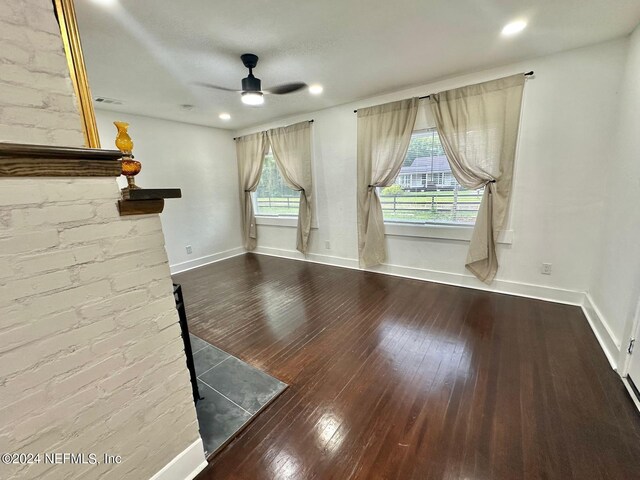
(286, 88)
(216, 87)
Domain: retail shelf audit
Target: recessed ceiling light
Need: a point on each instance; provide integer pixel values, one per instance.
(513, 28)
(224, 116)
(252, 98)
(315, 89)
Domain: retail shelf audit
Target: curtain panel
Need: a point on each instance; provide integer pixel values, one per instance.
(384, 133)
(250, 152)
(478, 127)
(291, 147)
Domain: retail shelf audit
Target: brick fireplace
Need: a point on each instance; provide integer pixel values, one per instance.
(91, 358)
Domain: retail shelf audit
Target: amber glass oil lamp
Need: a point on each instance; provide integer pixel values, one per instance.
(130, 167)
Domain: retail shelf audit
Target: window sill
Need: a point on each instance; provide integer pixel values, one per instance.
(277, 221)
(282, 221)
(444, 232)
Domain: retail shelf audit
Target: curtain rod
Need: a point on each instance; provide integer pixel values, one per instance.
(527, 74)
(310, 121)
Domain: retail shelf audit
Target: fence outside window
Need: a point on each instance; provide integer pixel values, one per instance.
(282, 205)
(457, 206)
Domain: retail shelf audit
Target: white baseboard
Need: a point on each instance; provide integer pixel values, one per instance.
(202, 261)
(518, 289)
(311, 257)
(607, 339)
(541, 292)
(186, 466)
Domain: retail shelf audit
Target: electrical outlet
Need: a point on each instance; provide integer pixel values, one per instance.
(327, 244)
(189, 249)
(546, 269)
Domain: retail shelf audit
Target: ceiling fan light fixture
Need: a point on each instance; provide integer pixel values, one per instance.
(315, 89)
(252, 98)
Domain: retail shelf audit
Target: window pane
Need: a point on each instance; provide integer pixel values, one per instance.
(273, 197)
(425, 190)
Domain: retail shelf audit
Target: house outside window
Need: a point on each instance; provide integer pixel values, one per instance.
(425, 190)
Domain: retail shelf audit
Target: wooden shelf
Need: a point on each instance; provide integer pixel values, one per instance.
(140, 207)
(24, 160)
(152, 193)
(144, 201)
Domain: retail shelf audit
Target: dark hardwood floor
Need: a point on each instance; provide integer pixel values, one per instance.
(392, 378)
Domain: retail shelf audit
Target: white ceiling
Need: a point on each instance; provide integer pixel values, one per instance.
(150, 53)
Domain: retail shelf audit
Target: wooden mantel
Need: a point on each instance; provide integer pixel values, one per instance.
(25, 160)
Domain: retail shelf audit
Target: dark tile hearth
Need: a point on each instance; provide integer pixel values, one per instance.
(246, 386)
(232, 393)
(197, 343)
(208, 357)
(218, 418)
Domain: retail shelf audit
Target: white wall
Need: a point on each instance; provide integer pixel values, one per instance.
(569, 114)
(202, 162)
(615, 288)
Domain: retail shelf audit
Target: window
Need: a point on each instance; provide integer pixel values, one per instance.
(425, 190)
(273, 197)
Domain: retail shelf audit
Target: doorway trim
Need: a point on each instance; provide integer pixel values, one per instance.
(625, 356)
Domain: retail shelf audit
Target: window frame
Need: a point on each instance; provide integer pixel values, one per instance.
(287, 221)
(282, 220)
(439, 230)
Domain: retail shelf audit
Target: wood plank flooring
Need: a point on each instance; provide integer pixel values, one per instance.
(392, 378)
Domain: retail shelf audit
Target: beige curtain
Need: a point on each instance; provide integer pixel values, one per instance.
(478, 127)
(250, 151)
(384, 133)
(291, 147)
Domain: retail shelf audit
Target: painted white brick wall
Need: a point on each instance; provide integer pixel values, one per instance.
(37, 104)
(91, 358)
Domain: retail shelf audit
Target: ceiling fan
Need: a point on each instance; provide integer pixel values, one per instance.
(252, 93)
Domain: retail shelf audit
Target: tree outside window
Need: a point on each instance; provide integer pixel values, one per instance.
(273, 197)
